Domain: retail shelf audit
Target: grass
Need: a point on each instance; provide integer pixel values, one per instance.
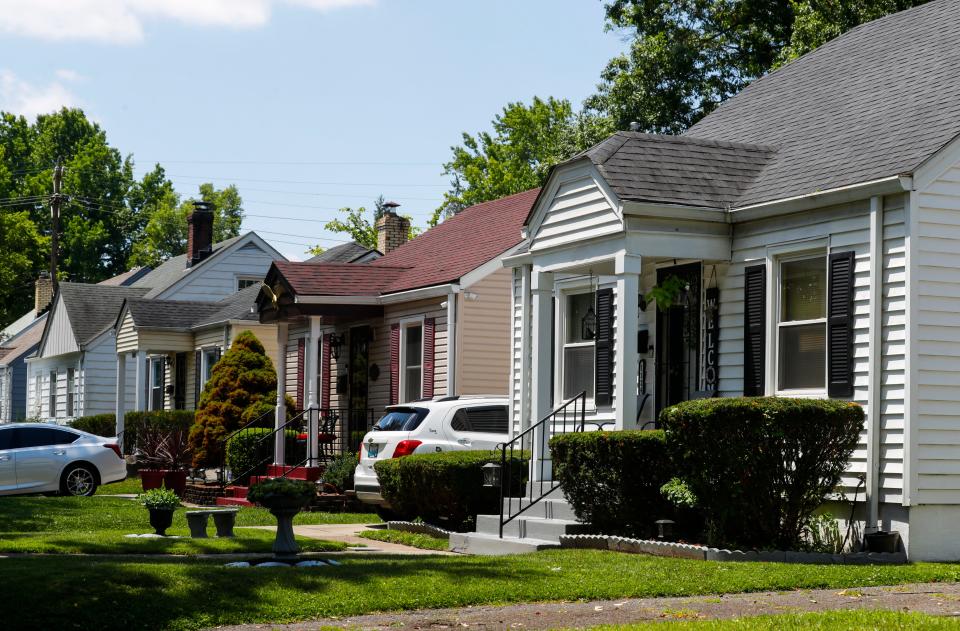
(833, 620)
(130, 485)
(416, 540)
(189, 594)
(97, 525)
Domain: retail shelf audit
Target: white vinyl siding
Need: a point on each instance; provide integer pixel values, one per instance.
(217, 278)
(578, 210)
(59, 334)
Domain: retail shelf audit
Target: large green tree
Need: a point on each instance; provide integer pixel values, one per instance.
(686, 57)
(525, 141)
(355, 223)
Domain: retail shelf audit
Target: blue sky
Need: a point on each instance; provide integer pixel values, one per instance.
(307, 105)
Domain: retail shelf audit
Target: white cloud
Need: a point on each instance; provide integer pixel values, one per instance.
(123, 21)
(29, 99)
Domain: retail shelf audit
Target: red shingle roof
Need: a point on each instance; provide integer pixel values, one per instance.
(440, 255)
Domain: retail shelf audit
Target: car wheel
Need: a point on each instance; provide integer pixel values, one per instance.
(78, 481)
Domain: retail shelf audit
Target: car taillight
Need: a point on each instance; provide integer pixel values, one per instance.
(116, 449)
(360, 453)
(405, 448)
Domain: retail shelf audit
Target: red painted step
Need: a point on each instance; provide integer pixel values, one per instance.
(294, 473)
(233, 501)
(238, 492)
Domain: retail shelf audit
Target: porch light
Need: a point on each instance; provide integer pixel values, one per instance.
(588, 324)
(336, 341)
(491, 474)
(665, 529)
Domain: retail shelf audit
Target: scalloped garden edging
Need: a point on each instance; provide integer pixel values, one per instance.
(419, 528)
(704, 553)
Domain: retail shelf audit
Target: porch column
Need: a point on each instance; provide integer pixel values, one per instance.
(541, 377)
(121, 395)
(525, 353)
(280, 361)
(311, 369)
(142, 376)
(625, 345)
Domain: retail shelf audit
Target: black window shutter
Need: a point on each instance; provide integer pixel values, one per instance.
(754, 330)
(840, 325)
(603, 385)
(197, 358)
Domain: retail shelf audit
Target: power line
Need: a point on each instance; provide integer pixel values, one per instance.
(292, 163)
(317, 182)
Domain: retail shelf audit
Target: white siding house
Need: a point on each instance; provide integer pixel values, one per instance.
(814, 220)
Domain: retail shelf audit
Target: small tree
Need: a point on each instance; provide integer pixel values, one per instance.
(242, 380)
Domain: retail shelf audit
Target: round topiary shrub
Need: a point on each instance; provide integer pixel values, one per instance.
(759, 467)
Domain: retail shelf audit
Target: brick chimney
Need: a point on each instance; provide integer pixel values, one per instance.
(42, 293)
(392, 229)
(199, 233)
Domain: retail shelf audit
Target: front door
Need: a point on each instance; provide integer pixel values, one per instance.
(180, 382)
(678, 338)
(359, 366)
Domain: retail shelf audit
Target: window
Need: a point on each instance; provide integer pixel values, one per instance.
(493, 419)
(210, 358)
(71, 391)
(156, 383)
(411, 362)
(578, 346)
(6, 439)
(37, 393)
(42, 437)
(247, 281)
(52, 395)
(401, 420)
(802, 324)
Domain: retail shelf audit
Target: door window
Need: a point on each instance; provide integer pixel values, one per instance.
(42, 437)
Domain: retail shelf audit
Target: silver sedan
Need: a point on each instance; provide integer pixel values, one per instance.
(40, 458)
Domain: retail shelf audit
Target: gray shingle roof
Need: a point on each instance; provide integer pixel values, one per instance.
(93, 308)
(174, 268)
(343, 253)
(872, 103)
(185, 315)
(677, 169)
(235, 307)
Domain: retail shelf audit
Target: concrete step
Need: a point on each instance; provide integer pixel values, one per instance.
(552, 491)
(486, 544)
(547, 509)
(532, 527)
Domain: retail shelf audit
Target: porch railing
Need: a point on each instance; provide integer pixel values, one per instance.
(340, 431)
(262, 450)
(568, 418)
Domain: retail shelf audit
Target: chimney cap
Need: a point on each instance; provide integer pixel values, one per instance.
(202, 206)
(391, 206)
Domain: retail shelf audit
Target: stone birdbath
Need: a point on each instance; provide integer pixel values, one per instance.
(284, 499)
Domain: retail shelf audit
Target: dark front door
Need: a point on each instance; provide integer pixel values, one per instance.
(180, 382)
(359, 373)
(678, 338)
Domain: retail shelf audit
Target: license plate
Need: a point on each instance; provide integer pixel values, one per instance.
(372, 451)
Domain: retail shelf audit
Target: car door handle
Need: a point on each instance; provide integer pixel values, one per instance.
(59, 452)
(464, 441)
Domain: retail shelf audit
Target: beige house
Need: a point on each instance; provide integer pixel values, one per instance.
(430, 318)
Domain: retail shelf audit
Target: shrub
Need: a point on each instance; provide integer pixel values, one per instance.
(244, 458)
(612, 479)
(443, 488)
(759, 467)
(99, 424)
(162, 499)
(244, 377)
(282, 488)
(339, 472)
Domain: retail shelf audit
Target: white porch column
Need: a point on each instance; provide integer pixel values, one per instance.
(625, 345)
(452, 344)
(142, 376)
(541, 377)
(311, 370)
(121, 394)
(525, 352)
(280, 361)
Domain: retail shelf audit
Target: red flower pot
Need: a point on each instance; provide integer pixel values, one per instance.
(152, 478)
(176, 481)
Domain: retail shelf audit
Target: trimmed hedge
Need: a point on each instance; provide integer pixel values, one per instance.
(98, 424)
(761, 466)
(612, 479)
(242, 453)
(443, 488)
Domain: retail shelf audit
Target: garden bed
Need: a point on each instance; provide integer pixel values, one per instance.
(705, 553)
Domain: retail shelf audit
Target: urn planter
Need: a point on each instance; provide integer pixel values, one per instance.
(160, 520)
(284, 499)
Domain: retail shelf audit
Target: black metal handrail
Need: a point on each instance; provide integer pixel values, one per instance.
(257, 423)
(340, 431)
(568, 418)
(263, 448)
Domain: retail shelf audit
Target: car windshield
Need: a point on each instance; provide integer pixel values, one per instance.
(401, 420)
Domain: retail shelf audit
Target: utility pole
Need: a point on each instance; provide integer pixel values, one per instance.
(55, 201)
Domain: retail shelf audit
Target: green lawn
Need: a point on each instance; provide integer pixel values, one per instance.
(130, 485)
(97, 525)
(188, 594)
(417, 540)
(833, 621)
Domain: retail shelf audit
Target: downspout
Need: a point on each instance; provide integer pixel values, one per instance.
(875, 354)
(452, 343)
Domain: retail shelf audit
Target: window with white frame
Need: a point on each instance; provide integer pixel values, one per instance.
(156, 383)
(247, 281)
(579, 340)
(208, 360)
(71, 392)
(802, 323)
(411, 361)
(37, 393)
(52, 395)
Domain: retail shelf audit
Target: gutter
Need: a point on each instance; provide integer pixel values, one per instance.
(883, 186)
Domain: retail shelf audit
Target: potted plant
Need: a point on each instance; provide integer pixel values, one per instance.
(161, 503)
(284, 498)
(166, 452)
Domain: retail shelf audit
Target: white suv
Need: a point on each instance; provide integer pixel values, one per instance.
(424, 427)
